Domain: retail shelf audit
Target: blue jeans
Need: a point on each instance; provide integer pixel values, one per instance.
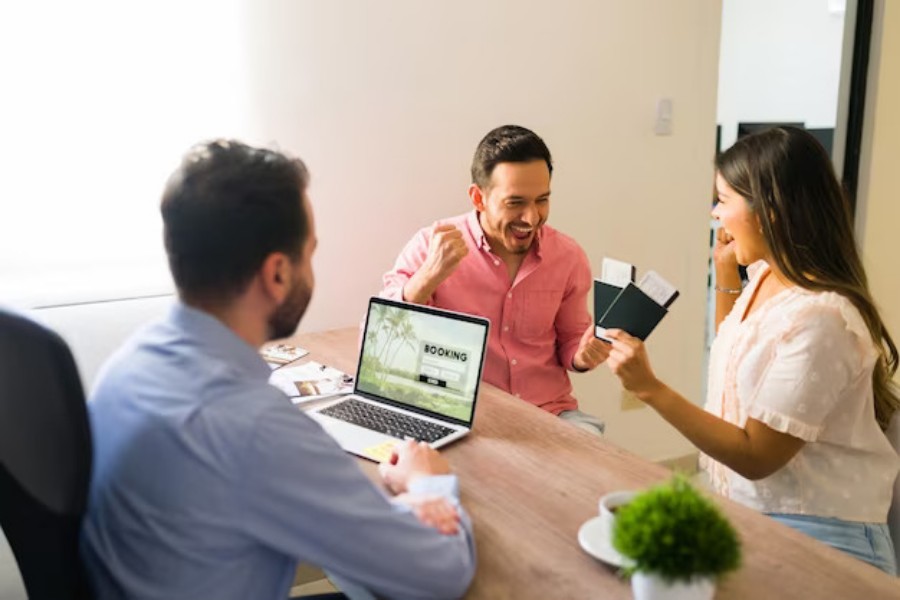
(868, 542)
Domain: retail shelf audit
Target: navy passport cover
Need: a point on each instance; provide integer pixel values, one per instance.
(631, 310)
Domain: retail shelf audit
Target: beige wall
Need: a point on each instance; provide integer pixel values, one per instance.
(879, 192)
(387, 100)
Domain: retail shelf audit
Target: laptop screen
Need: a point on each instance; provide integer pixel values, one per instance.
(422, 358)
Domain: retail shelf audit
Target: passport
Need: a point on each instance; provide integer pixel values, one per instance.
(634, 308)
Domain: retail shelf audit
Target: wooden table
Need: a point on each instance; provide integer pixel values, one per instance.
(530, 480)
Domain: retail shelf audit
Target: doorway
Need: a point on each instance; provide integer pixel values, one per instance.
(801, 63)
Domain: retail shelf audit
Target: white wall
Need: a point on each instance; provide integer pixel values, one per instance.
(780, 61)
(99, 100)
(386, 102)
(95, 330)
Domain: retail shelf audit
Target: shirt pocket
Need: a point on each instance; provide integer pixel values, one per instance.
(536, 312)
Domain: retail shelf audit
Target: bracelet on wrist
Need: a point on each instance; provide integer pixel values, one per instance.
(733, 291)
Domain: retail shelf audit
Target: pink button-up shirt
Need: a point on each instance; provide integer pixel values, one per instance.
(536, 321)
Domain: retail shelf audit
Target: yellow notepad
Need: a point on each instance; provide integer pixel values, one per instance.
(380, 452)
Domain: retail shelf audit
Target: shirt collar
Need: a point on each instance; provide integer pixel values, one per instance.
(482, 242)
(476, 230)
(758, 267)
(219, 340)
(538, 244)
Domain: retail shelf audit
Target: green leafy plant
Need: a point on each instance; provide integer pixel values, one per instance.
(676, 533)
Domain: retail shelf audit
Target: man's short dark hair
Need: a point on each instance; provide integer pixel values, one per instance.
(509, 143)
(225, 209)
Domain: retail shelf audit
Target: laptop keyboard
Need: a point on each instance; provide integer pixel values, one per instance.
(386, 421)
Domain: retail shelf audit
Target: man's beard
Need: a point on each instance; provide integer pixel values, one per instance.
(283, 322)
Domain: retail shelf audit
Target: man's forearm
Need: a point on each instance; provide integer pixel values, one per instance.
(420, 287)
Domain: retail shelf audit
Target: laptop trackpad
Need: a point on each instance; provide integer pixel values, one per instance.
(355, 439)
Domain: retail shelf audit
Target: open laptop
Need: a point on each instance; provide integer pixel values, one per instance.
(418, 376)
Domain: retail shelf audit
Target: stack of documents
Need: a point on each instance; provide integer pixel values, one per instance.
(278, 355)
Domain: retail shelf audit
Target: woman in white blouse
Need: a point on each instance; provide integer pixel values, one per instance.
(799, 390)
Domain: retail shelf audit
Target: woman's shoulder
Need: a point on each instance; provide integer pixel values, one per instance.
(829, 306)
(827, 315)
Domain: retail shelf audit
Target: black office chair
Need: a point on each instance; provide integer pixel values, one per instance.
(45, 458)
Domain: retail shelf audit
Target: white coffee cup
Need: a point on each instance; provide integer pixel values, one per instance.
(608, 505)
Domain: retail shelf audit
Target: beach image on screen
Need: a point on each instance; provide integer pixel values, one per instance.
(420, 359)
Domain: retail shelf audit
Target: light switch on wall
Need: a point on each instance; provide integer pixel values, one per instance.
(663, 124)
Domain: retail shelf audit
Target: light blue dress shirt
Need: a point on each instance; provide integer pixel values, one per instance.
(208, 482)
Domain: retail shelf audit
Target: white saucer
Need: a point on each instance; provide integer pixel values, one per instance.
(595, 540)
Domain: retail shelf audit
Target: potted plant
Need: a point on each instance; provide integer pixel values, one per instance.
(679, 541)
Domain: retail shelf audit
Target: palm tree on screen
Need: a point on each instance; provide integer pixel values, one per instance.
(404, 334)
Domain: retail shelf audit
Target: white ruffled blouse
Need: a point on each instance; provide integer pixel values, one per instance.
(802, 364)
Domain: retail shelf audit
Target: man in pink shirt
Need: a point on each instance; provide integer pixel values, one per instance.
(502, 262)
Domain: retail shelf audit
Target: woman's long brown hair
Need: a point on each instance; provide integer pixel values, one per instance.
(787, 179)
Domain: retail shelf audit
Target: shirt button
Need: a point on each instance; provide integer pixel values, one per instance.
(514, 362)
(496, 263)
(506, 328)
(509, 295)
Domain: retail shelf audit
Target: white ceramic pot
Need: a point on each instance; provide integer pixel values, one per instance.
(648, 586)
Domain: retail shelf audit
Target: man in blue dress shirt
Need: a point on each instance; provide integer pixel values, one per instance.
(207, 481)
